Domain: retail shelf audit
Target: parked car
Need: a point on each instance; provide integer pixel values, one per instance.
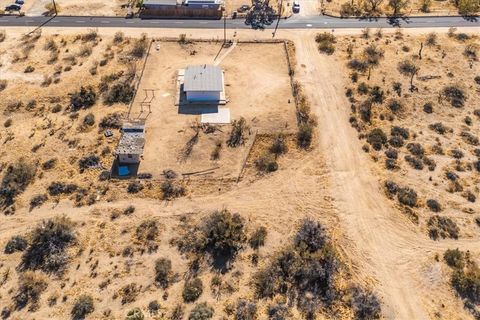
(243, 8)
(13, 7)
(19, 2)
(296, 7)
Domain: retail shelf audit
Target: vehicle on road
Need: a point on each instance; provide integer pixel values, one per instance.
(243, 8)
(19, 2)
(13, 7)
(296, 7)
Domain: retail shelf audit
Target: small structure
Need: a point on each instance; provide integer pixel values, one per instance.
(159, 4)
(203, 83)
(203, 4)
(132, 142)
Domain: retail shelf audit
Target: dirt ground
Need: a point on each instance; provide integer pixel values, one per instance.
(437, 7)
(74, 8)
(260, 93)
(336, 183)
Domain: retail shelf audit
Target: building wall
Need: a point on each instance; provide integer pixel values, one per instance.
(180, 12)
(198, 96)
(129, 158)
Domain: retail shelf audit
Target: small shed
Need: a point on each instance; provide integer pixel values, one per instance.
(203, 83)
(132, 142)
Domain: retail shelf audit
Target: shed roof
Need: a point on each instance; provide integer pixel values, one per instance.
(133, 138)
(160, 2)
(203, 78)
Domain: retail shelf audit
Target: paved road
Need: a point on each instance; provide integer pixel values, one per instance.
(297, 22)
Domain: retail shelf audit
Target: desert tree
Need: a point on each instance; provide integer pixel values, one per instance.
(408, 68)
(372, 55)
(372, 6)
(397, 6)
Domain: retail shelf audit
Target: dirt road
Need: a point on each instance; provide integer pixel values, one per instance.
(387, 245)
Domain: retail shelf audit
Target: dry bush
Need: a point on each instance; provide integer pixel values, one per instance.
(57, 188)
(192, 290)
(454, 95)
(220, 235)
(139, 47)
(129, 293)
(278, 312)
(171, 190)
(305, 135)
(3, 84)
(135, 314)
(111, 121)
(177, 312)
(37, 201)
(30, 287)
(442, 227)
(377, 138)
(48, 244)
(454, 258)
(119, 37)
(201, 311)
(407, 197)
(238, 132)
(279, 145)
(325, 42)
(83, 306)
(266, 163)
(83, 99)
(146, 235)
(163, 272)
(15, 180)
(257, 238)
(434, 205)
(307, 268)
(246, 310)
(90, 36)
(3, 35)
(365, 304)
(120, 92)
(88, 162)
(16, 243)
(215, 155)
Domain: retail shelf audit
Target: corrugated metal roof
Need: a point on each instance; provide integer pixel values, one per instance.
(160, 2)
(203, 78)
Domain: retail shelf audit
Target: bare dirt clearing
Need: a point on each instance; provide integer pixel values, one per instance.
(257, 86)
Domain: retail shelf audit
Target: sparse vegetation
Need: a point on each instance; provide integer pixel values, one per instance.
(192, 290)
(30, 287)
(82, 307)
(237, 135)
(163, 272)
(16, 243)
(201, 311)
(15, 180)
(325, 42)
(442, 227)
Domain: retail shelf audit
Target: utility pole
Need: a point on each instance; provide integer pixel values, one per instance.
(55, 7)
(224, 28)
(279, 17)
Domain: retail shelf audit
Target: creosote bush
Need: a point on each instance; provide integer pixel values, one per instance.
(38, 200)
(171, 189)
(220, 235)
(111, 121)
(82, 307)
(442, 227)
(192, 290)
(377, 138)
(120, 92)
(407, 197)
(48, 244)
(266, 163)
(201, 311)
(365, 304)
(279, 145)
(83, 99)
(246, 310)
(146, 235)
(163, 272)
(325, 42)
(15, 180)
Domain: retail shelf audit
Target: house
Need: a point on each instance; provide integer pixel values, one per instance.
(132, 142)
(203, 83)
(203, 4)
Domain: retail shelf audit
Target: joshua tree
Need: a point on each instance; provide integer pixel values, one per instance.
(372, 56)
(409, 69)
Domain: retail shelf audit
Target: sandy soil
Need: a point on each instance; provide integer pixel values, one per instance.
(437, 7)
(337, 183)
(85, 8)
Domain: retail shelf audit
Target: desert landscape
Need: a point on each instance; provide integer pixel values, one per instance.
(344, 185)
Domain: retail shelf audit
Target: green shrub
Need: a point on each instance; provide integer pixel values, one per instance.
(201, 311)
(82, 307)
(192, 290)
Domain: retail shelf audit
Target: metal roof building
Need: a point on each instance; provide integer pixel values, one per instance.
(132, 142)
(203, 83)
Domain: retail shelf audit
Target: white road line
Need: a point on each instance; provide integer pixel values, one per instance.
(309, 25)
(80, 21)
